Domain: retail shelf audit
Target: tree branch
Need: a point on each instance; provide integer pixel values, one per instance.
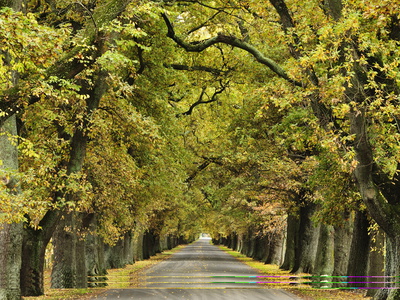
(196, 68)
(204, 23)
(213, 98)
(205, 164)
(228, 40)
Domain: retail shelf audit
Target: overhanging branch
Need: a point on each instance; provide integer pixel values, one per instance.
(232, 41)
(196, 68)
(205, 164)
(211, 99)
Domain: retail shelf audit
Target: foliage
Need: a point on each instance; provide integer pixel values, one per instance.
(213, 141)
(312, 122)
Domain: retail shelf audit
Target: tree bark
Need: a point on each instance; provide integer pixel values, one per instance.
(68, 67)
(69, 267)
(276, 244)
(245, 243)
(95, 257)
(138, 245)
(392, 269)
(343, 238)
(360, 247)
(234, 238)
(251, 243)
(261, 252)
(33, 254)
(376, 264)
(14, 4)
(10, 234)
(292, 238)
(10, 261)
(325, 262)
(381, 209)
(128, 248)
(115, 255)
(308, 242)
(240, 242)
(151, 244)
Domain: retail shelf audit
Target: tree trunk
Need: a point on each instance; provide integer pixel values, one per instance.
(169, 242)
(10, 234)
(379, 193)
(69, 268)
(392, 268)
(145, 247)
(175, 241)
(276, 244)
(33, 254)
(81, 267)
(234, 238)
(325, 254)
(156, 244)
(14, 4)
(115, 255)
(266, 245)
(245, 244)
(376, 263)
(121, 254)
(343, 238)
(360, 248)
(252, 244)
(128, 248)
(308, 242)
(163, 243)
(260, 251)
(138, 245)
(32, 271)
(292, 238)
(240, 242)
(149, 245)
(228, 241)
(95, 258)
(10, 261)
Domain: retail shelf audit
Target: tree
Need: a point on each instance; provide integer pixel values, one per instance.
(66, 68)
(121, 130)
(10, 226)
(70, 129)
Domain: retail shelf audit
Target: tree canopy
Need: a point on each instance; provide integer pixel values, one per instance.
(190, 116)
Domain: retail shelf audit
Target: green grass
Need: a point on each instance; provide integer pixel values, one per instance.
(58, 294)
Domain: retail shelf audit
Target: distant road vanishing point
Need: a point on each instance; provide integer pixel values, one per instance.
(188, 274)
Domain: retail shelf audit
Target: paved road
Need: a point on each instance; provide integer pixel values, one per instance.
(187, 275)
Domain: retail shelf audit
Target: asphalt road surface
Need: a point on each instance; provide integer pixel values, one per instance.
(198, 272)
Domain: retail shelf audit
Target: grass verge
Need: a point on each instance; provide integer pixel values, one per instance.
(301, 290)
(128, 277)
